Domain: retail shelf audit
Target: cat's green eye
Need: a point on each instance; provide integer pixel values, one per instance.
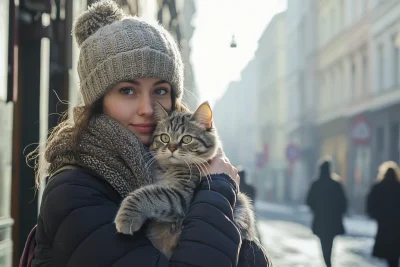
(164, 138)
(187, 139)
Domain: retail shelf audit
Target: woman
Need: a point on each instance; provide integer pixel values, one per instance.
(126, 64)
(383, 205)
(328, 203)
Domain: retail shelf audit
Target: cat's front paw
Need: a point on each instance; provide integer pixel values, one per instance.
(128, 222)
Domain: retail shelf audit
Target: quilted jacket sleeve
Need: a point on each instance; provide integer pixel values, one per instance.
(253, 254)
(75, 227)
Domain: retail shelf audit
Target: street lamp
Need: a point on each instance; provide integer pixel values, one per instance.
(396, 40)
(233, 42)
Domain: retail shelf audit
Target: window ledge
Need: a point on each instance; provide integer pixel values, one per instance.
(6, 222)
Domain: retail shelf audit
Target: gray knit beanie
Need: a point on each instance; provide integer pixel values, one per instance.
(115, 47)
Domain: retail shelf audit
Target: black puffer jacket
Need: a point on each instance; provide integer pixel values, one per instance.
(75, 228)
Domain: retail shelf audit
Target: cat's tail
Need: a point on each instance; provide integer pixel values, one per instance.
(244, 218)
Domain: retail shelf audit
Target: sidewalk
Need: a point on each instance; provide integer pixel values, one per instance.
(355, 225)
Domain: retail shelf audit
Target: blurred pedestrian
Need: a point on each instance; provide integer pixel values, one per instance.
(383, 204)
(328, 203)
(246, 188)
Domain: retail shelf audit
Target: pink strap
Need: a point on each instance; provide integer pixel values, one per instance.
(28, 253)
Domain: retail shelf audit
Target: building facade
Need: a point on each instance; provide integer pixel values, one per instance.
(271, 110)
(384, 106)
(301, 91)
(358, 101)
(344, 43)
(176, 16)
(238, 104)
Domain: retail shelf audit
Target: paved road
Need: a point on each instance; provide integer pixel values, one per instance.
(293, 244)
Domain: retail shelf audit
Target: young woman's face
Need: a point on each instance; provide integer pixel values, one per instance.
(131, 104)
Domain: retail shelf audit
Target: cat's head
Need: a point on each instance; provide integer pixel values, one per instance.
(183, 137)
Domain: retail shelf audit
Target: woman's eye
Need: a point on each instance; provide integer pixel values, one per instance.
(161, 91)
(127, 91)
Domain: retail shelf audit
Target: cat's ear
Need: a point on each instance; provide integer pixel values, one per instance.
(203, 114)
(159, 111)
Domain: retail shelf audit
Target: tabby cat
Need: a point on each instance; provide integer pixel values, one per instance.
(182, 145)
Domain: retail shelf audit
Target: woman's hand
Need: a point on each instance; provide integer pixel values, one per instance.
(220, 164)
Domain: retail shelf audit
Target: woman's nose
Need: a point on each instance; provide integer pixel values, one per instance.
(146, 107)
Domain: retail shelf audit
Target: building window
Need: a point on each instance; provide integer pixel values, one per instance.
(321, 92)
(396, 45)
(394, 142)
(353, 80)
(340, 85)
(380, 144)
(301, 45)
(322, 31)
(332, 29)
(352, 12)
(364, 88)
(342, 12)
(361, 170)
(329, 99)
(378, 2)
(335, 21)
(364, 6)
(381, 68)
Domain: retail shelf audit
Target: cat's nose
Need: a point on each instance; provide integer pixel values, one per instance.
(172, 148)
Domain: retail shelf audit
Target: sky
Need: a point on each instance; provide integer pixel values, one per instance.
(215, 64)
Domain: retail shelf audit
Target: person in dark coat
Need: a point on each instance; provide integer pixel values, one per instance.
(125, 64)
(246, 188)
(383, 202)
(328, 203)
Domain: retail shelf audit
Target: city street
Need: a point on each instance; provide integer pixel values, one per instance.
(291, 243)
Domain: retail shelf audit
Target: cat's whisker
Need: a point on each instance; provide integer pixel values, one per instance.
(199, 161)
(190, 169)
(155, 157)
(194, 163)
(190, 158)
(150, 155)
(151, 162)
(203, 168)
(200, 165)
(148, 160)
(208, 176)
(205, 163)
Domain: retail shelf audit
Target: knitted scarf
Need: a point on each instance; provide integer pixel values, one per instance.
(106, 148)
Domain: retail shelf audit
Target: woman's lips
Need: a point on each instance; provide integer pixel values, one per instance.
(143, 127)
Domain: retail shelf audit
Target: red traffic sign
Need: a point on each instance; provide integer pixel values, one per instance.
(361, 130)
(292, 153)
